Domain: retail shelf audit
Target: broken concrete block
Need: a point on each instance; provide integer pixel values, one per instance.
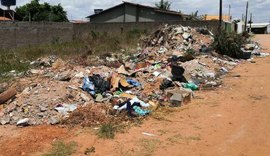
(26, 91)
(179, 97)
(54, 120)
(178, 30)
(186, 29)
(65, 76)
(176, 99)
(42, 108)
(3, 87)
(84, 97)
(5, 120)
(186, 36)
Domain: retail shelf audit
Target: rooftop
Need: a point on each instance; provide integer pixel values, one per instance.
(145, 6)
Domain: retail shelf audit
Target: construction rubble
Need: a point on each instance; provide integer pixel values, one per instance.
(169, 67)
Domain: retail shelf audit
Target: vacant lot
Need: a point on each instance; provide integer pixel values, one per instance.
(232, 120)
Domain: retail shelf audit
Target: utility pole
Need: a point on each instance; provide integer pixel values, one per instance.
(229, 13)
(246, 17)
(250, 22)
(220, 16)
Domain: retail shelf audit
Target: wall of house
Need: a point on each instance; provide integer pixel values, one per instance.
(128, 13)
(113, 15)
(240, 27)
(131, 12)
(36, 33)
(25, 33)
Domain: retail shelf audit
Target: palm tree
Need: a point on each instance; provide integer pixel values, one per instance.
(163, 5)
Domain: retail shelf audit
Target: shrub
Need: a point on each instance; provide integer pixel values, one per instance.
(229, 44)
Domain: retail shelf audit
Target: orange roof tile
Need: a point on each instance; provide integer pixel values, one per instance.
(216, 17)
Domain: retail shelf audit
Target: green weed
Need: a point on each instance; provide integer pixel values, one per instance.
(229, 44)
(59, 148)
(107, 131)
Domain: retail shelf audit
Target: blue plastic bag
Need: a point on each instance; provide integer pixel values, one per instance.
(88, 86)
(133, 82)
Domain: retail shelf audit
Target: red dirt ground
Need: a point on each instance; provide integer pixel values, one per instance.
(232, 120)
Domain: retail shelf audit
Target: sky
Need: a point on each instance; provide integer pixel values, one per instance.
(79, 9)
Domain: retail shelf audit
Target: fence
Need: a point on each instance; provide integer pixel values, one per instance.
(17, 34)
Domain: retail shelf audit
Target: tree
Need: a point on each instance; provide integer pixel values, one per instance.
(195, 16)
(163, 5)
(34, 11)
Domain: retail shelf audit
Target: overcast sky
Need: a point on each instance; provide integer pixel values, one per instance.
(79, 9)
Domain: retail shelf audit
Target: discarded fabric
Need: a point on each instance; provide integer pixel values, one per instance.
(140, 111)
(133, 105)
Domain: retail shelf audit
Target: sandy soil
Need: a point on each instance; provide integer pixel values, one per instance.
(231, 120)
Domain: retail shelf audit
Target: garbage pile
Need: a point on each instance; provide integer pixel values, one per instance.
(252, 49)
(170, 65)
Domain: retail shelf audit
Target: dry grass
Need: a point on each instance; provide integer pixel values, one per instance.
(96, 44)
(178, 138)
(161, 113)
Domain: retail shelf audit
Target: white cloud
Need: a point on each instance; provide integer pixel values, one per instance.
(79, 9)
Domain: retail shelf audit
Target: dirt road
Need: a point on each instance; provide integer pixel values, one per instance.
(233, 120)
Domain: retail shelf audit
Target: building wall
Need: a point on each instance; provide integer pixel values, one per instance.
(113, 15)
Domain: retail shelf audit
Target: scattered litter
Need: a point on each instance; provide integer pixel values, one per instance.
(191, 86)
(148, 134)
(23, 122)
(64, 109)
